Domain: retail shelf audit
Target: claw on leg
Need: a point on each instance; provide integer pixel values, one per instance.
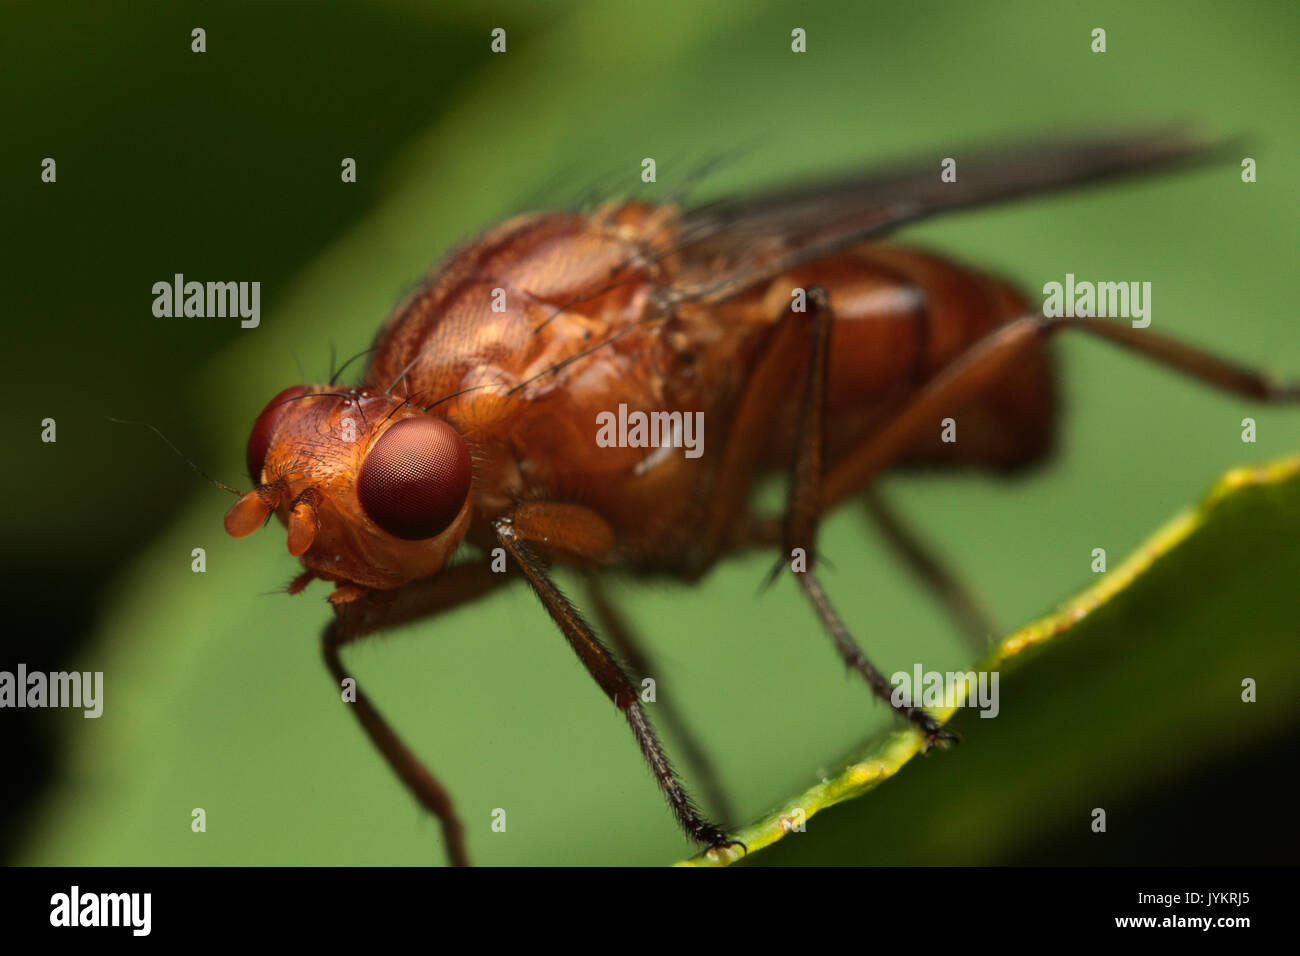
(723, 845)
(932, 732)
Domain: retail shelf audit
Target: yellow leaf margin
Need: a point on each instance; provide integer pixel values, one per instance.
(888, 756)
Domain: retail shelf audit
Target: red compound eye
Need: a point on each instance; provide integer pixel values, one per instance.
(259, 442)
(416, 478)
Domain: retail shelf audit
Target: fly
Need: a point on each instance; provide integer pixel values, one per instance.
(800, 342)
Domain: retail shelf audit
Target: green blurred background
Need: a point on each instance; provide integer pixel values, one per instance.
(225, 165)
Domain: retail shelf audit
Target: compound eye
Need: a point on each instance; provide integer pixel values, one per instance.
(415, 479)
(259, 442)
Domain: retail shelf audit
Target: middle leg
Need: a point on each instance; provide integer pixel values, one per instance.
(803, 511)
(620, 633)
(581, 534)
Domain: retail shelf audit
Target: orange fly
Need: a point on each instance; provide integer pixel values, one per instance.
(474, 432)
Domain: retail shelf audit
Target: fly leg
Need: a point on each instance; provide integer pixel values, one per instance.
(580, 534)
(966, 611)
(983, 363)
(803, 509)
(724, 523)
(620, 634)
(765, 531)
(368, 613)
(975, 370)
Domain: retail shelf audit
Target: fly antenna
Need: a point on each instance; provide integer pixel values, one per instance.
(180, 454)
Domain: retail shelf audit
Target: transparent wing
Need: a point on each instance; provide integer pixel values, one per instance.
(727, 245)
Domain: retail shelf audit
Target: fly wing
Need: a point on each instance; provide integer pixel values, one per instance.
(728, 245)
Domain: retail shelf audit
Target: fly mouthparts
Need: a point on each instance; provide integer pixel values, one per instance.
(253, 510)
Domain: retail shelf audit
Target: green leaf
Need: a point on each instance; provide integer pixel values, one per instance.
(1165, 616)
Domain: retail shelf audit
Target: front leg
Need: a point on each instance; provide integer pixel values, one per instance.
(360, 611)
(582, 535)
(368, 611)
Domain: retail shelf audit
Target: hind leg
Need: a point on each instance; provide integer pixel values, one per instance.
(986, 363)
(967, 612)
(980, 368)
